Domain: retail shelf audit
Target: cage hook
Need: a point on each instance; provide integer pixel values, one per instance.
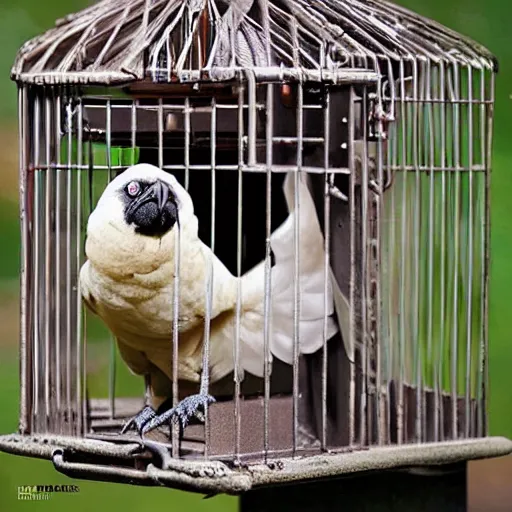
(337, 193)
(159, 450)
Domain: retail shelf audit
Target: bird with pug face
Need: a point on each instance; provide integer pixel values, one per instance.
(142, 222)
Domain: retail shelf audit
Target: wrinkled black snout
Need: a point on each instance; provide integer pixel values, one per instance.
(153, 212)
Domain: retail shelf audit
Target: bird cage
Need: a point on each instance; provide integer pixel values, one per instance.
(385, 116)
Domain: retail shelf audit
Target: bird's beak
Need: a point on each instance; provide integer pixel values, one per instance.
(151, 221)
(161, 191)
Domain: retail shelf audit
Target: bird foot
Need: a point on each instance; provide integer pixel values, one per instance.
(188, 408)
(140, 420)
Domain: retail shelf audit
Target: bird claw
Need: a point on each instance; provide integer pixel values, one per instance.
(188, 408)
(140, 420)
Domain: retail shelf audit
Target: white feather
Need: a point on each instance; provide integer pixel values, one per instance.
(311, 271)
(129, 282)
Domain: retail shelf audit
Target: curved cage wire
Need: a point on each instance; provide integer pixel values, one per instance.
(389, 115)
(166, 40)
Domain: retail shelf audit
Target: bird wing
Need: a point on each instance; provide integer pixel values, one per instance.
(314, 283)
(313, 320)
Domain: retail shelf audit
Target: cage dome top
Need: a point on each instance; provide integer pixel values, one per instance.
(116, 42)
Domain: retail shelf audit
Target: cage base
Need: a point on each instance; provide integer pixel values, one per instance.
(220, 441)
(149, 463)
(390, 491)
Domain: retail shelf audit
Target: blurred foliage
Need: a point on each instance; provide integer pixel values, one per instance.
(487, 21)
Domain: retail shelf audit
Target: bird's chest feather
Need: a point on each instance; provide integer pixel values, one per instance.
(143, 304)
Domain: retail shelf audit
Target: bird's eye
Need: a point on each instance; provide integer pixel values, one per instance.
(133, 188)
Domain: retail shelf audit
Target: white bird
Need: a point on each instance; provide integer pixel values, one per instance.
(143, 218)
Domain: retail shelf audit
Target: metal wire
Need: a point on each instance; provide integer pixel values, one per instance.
(391, 276)
(175, 338)
(470, 267)
(402, 280)
(80, 345)
(68, 180)
(38, 310)
(205, 379)
(454, 355)
(442, 276)
(327, 266)
(430, 89)
(268, 273)
(113, 349)
(256, 168)
(49, 290)
(187, 143)
(484, 348)
(365, 276)
(296, 276)
(416, 254)
(236, 340)
(25, 298)
(352, 286)
(380, 343)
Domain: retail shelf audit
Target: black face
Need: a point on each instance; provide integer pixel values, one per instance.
(151, 207)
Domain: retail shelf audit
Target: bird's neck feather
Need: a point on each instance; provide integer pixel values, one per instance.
(121, 253)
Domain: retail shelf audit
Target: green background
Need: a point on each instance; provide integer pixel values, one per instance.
(485, 21)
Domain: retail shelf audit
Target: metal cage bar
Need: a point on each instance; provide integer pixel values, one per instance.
(268, 283)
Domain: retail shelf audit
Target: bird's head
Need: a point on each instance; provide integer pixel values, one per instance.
(137, 212)
(145, 199)
(150, 205)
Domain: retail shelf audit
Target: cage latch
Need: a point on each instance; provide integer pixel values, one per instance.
(378, 119)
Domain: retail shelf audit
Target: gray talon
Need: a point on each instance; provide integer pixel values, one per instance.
(140, 420)
(188, 408)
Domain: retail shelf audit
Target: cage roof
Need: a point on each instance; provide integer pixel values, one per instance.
(116, 42)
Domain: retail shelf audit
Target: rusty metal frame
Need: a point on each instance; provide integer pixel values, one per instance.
(213, 477)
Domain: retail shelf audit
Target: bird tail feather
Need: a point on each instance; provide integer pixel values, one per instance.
(293, 311)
